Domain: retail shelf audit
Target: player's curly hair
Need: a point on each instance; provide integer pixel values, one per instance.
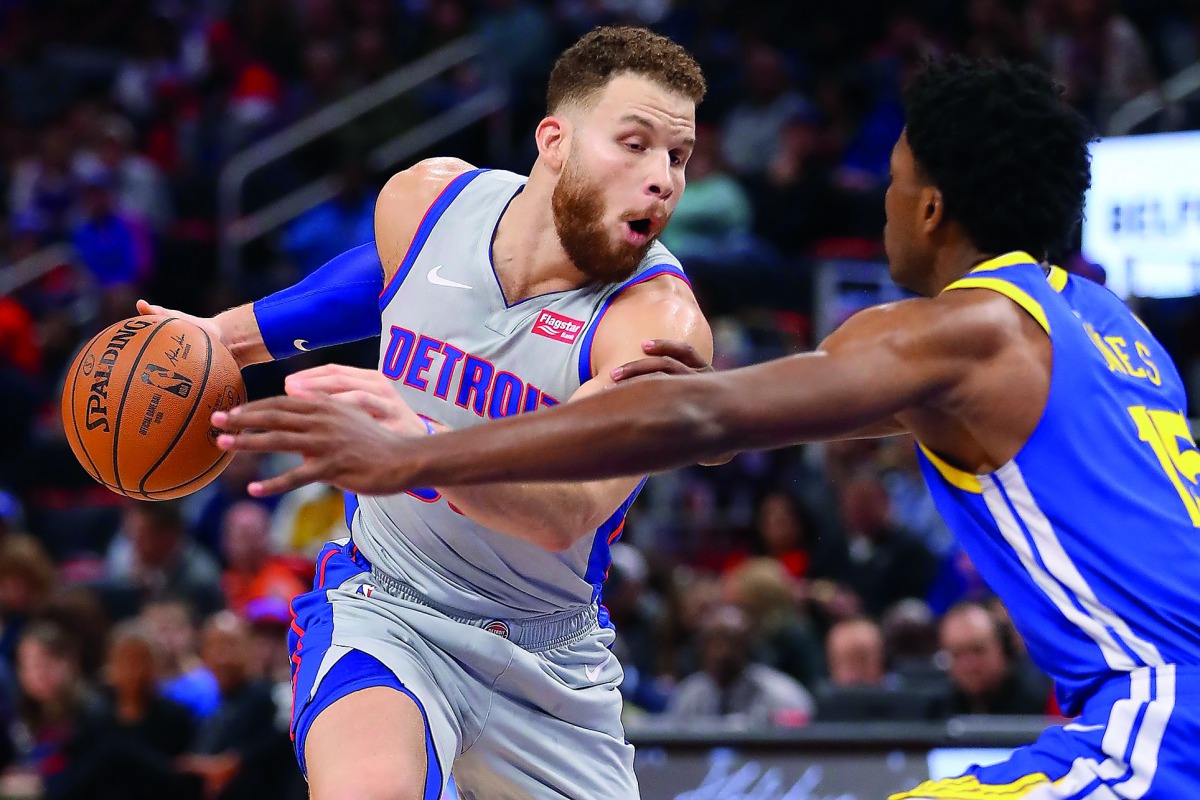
(588, 65)
(1008, 154)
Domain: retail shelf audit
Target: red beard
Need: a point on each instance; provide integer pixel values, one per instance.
(578, 207)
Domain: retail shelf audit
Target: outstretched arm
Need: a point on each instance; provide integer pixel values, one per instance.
(881, 362)
(553, 515)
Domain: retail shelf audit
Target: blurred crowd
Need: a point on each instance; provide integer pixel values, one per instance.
(146, 641)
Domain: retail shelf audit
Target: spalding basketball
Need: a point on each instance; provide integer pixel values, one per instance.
(138, 403)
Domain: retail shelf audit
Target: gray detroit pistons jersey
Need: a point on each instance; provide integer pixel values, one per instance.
(459, 354)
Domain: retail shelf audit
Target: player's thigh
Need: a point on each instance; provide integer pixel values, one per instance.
(369, 745)
(554, 731)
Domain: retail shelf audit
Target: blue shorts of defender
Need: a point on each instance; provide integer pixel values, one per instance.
(1138, 737)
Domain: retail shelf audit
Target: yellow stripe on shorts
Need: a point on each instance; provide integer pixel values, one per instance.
(968, 787)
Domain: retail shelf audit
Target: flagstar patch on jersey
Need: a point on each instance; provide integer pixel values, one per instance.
(557, 327)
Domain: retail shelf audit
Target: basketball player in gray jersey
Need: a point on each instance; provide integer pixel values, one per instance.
(461, 629)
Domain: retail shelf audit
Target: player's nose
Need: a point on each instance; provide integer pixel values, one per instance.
(658, 181)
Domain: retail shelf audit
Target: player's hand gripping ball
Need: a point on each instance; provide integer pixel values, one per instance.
(138, 403)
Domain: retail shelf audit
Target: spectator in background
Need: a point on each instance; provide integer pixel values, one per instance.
(251, 571)
(712, 221)
(753, 129)
(54, 704)
(879, 561)
(220, 495)
(46, 185)
(769, 597)
(307, 518)
(115, 250)
(854, 652)
(995, 31)
(183, 677)
(1099, 56)
(330, 228)
(910, 635)
(693, 596)
(637, 615)
(731, 686)
(984, 666)
(240, 753)
(154, 66)
(126, 751)
(324, 78)
(161, 561)
(138, 185)
(269, 619)
(78, 611)
(783, 530)
(27, 579)
(912, 505)
(792, 195)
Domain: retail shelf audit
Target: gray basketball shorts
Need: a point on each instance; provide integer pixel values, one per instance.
(514, 709)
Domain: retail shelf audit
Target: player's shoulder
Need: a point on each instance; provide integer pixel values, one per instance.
(403, 201)
(425, 179)
(660, 305)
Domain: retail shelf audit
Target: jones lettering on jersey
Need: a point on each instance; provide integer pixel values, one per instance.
(557, 327)
(470, 381)
(1115, 351)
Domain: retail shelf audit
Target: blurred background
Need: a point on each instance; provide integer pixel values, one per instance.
(795, 621)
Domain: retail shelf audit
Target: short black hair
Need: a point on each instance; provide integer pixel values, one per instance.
(1009, 155)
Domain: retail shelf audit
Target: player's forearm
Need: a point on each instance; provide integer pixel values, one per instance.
(550, 515)
(665, 423)
(656, 424)
(337, 303)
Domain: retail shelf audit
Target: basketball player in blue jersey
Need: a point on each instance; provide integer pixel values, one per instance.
(1051, 427)
(460, 629)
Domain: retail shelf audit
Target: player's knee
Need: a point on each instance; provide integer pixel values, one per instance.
(369, 745)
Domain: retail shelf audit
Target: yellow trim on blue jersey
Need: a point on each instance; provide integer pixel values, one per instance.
(968, 787)
(1057, 278)
(1006, 260)
(956, 477)
(1012, 292)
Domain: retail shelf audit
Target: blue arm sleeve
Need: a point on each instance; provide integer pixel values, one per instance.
(337, 303)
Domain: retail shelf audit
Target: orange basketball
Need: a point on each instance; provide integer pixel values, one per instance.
(138, 402)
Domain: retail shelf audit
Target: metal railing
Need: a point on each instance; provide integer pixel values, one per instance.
(235, 229)
(37, 265)
(1166, 98)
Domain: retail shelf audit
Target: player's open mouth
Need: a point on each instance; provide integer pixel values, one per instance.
(638, 230)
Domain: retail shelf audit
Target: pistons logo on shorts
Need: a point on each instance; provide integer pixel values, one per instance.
(498, 627)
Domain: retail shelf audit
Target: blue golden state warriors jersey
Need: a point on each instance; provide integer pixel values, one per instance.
(1090, 534)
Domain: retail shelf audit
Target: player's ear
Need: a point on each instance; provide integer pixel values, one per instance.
(553, 137)
(932, 208)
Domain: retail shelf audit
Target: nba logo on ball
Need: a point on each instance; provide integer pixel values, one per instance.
(497, 627)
